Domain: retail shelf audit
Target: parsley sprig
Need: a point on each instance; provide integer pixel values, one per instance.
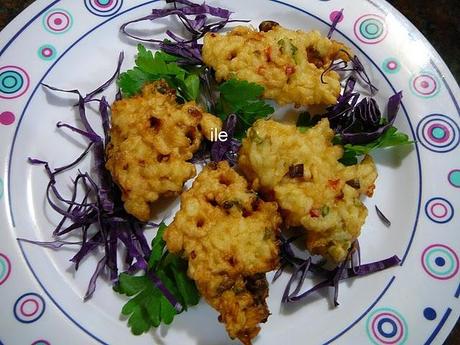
(162, 65)
(391, 137)
(148, 307)
(305, 121)
(243, 99)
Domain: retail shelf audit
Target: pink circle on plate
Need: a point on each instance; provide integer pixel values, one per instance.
(424, 82)
(7, 118)
(445, 130)
(392, 65)
(56, 18)
(392, 317)
(336, 14)
(439, 210)
(31, 302)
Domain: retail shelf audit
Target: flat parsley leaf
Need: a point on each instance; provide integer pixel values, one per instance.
(305, 121)
(148, 307)
(243, 99)
(150, 67)
(388, 139)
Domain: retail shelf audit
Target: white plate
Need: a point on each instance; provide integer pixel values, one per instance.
(74, 44)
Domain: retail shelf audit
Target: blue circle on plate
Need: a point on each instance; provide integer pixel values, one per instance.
(394, 327)
(440, 261)
(33, 316)
(429, 313)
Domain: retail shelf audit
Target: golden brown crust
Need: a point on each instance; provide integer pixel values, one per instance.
(325, 200)
(229, 236)
(151, 139)
(287, 63)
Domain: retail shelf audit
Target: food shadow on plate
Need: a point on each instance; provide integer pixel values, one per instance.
(147, 30)
(325, 294)
(59, 99)
(200, 324)
(392, 157)
(164, 208)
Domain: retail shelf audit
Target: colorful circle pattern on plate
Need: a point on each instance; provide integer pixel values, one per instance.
(103, 8)
(454, 178)
(439, 210)
(41, 342)
(370, 29)
(440, 261)
(336, 15)
(14, 82)
(6, 118)
(429, 313)
(5, 268)
(386, 326)
(29, 307)
(57, 21)
(391, 66)
(47, 52)
(438, 133)
(425, 84)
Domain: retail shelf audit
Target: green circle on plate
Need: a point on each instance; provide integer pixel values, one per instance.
(47, 58)
(3, 269)
(454, 178)
(438, 133)
(391, 65)
(10, 82)
(371, 28)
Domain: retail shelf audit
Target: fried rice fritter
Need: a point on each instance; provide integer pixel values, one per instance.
(314, 191)
(151, 139)
(229, 237)
(287, 63)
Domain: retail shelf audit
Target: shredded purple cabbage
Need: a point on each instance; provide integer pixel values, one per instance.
(382, 217)
(195, 18)
(349, 268)
(360, 121)
(228, 149)
(357, 68)
(99, 203)
(336, 20)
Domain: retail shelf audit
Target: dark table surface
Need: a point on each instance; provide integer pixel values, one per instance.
(437, 20)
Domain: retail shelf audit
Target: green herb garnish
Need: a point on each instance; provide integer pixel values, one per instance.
(388, 139)
(305, 121)
(148, 307)
(243, 99)
(164, 66)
